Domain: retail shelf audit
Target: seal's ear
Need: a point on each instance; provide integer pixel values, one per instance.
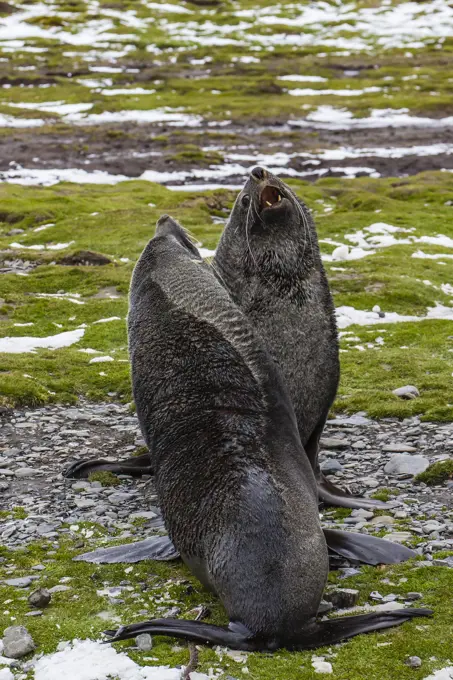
(167, 226)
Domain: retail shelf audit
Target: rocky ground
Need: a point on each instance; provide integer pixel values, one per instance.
(46, 519)
(363, 455)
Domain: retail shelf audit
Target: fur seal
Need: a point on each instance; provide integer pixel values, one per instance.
(269, 260)
(238, 494)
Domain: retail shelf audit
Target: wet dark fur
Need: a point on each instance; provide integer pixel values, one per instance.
(272, 266)
(236, 489)
(238, 503)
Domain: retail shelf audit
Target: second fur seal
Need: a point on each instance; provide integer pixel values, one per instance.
(237, 492)
(269, 260)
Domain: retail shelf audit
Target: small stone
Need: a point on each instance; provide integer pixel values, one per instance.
(362, 513)
(432, 525)
(17, 642)
(399, 537)
(334, 443)
(382, 519)
(331, 466)
(399, 448)
(342, 598)
(119, 498)
(144, 642)
(375, 595)
(413, 662)
(26, 472)
(407, 392)
(39, 598)
(403, 464)
(59, 589)
(84, 503)
(413, 596)
(22, 582)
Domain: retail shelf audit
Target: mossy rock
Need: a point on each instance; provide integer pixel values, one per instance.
(437, 473)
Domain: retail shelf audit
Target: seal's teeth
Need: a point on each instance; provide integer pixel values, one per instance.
(279, 198)
(268, 203)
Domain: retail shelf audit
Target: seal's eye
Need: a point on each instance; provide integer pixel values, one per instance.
(245, 200)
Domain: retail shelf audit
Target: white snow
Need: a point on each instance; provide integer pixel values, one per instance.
(13, 122)
(347, 316)
(54, 107)
(426, 256)
(108, 320)
(443, 674)
(5, 674)
(101, 360)
(41, 246)
(121, 91)
(304, 79)
(19, 345)
(328, 117)
(48, 177)
(89, 660)
(309, 92)
(164, 115)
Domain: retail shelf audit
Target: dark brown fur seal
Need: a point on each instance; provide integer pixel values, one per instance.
(268, 258)
(237, 492)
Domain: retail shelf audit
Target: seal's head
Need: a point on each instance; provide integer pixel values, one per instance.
(270, 227)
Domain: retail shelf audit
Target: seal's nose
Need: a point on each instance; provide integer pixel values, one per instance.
(258, 173)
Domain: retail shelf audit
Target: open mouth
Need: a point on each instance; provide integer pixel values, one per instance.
(270, 197)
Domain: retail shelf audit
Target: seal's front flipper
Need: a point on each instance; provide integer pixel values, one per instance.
(155, 548)
(330, 494)
(365, 548)
(235, 636)
(135, 466)
(329, 632)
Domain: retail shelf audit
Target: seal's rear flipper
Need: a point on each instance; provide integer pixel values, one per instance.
(235, 636)
(330, 494)
(135, 466)
(238, 637)
(366, 549)
(155, 548)
(341, 628)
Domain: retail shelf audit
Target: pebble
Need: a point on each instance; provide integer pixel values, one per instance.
(399, 536)
(39, 598)
(26, 472)
(399, 448)
(413, 662)
(407, 392)
(144, 642)
(17, 642)
(402, 464)
(382, 519)
(22, 582)
(334, 443)
(331, 466)
(342, 598)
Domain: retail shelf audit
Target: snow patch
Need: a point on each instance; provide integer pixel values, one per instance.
(20, 345)
(89, 660)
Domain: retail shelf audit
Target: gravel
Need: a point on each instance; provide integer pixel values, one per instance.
(366, 456)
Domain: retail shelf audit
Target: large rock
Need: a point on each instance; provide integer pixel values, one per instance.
(404, 464)
(17, 642)
(39, 598)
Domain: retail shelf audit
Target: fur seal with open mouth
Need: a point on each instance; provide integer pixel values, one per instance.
(269, 260)
(237, 492)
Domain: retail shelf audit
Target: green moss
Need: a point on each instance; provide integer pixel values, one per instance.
(140, 451)
(437, 473)
(105, 478)
(385, 494)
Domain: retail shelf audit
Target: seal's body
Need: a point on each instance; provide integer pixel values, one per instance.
(237, 492)
(268, 258)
